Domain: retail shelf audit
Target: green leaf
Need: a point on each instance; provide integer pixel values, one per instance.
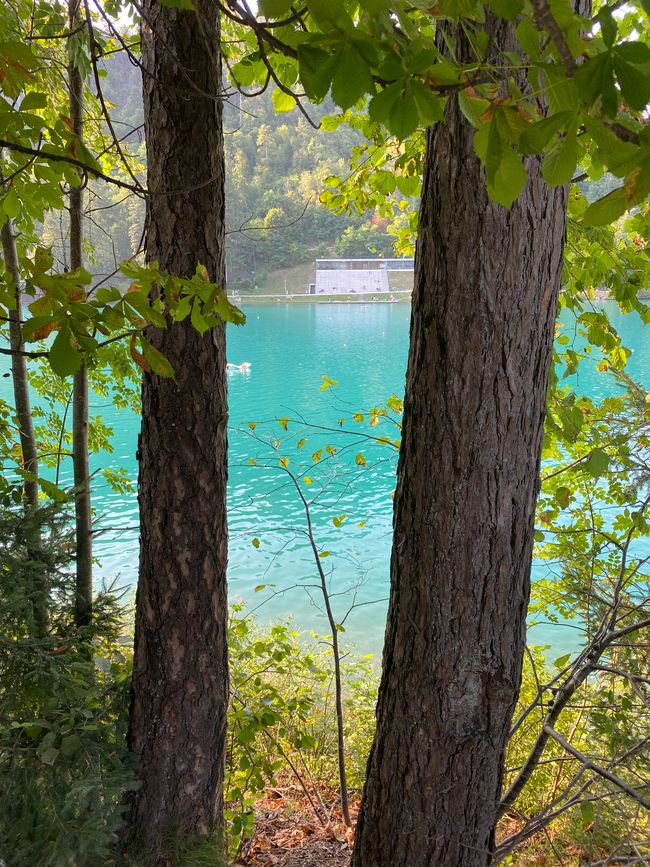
(11, 204)
(395, 404)
(537, 135)
(563, 497)
(473, 107)
(178, 4)
(496, 155)
(561, 661)
(70, 745)
(381, 104)
(64, 360)
(559, 163)
(608, 26)
(43, 259)
(157, 360)
(597, 463)
(326, 12)
(509, 179)
(430, 106)
(352, 78)
(403, 118)
(255, 542)
(631, 62)
(607, 209)
(198, 320)
(245, 72)
(274, 8)
(587, 812)
(52, 490)
(595, 80)
(49, 755)
(33, 100)
(316, 71)
(282, 101)
(508, 9)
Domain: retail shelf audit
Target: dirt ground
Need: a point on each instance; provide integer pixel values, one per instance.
(289, 832)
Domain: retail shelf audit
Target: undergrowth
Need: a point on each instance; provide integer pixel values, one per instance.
(65, 768)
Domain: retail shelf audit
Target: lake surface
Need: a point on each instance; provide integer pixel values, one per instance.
(290, 348)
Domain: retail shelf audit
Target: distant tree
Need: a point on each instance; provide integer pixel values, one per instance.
(366, 240)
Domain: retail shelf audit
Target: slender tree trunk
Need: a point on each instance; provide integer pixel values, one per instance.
(486, 287)
(19, 377)
(180, 678)
(83, 512)
(20, 381)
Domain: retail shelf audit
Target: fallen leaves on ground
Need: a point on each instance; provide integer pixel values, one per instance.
(289, 832)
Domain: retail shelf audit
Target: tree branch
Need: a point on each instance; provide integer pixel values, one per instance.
(62, 158)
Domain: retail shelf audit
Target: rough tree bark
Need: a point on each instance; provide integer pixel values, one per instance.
(80, 463)
(484, 304)
(180, 679)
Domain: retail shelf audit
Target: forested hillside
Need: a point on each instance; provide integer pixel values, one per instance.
(275, 167)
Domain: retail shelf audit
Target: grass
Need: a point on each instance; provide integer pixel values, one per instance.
(297, 278)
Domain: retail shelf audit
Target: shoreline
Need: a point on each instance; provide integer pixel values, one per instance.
(395, 297)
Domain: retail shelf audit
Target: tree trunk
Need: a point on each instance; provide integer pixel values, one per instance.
(37, 591)
(19, 376)
(484, 304)
(180, 679)
(80, 465)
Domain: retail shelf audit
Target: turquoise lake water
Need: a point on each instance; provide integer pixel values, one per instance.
(290, 348)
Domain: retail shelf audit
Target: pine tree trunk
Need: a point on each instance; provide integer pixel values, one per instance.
(80, 462)
(484, 304)
(180, 679)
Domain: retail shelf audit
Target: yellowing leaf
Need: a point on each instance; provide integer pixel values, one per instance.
(328, 382)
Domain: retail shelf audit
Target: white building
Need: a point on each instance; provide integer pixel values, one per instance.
(355, 276)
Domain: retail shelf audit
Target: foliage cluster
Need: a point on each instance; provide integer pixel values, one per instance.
(63, 705)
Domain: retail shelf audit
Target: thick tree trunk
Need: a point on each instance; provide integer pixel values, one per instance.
(486, 288)
(80, 462)
(180, 679)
